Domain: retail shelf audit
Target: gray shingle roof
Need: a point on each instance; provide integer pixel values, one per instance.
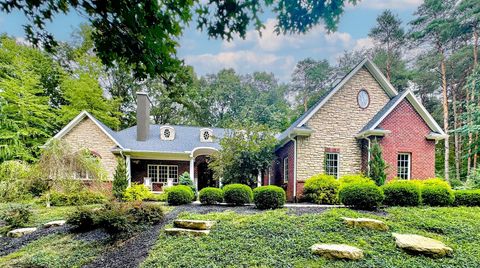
(382, 112)
(186, 139)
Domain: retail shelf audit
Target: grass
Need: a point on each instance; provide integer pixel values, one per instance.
(276, 239)
(54, 251)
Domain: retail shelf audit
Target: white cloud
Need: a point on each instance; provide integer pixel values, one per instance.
(386, 4)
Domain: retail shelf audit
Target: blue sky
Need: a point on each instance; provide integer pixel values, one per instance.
(272, 53)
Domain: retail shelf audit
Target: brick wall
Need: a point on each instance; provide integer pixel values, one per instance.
(87, 134)
(336, 124)
(288, 150)
(408, 131)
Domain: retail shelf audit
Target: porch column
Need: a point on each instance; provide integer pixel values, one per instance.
(128, 168)
(259, 179)
(192, 171)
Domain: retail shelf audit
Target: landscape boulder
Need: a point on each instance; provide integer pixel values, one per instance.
(337, 251)
(182, 231)
(366, 223)
(417, 244)
(21, 232)
(193, 224)
(54, 223)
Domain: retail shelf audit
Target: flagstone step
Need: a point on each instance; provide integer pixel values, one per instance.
(366, 223)
(183, 231)
(193, 224)
(337, 251)
(418, 244)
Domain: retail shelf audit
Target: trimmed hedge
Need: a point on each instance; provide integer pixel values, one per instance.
(237, 194)
(211, 196)
(362, 195)
(402, 193)
(321, 189)
(81, 198)
(353, 178)
(180, 195)
(269, 197)
(436, 192)
(468, 198)
(137, 192)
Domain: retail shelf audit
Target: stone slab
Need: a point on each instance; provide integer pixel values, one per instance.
(182, 231)
(366, 223)
(337, 251)
(54, 223)
(21, 232)
(418, 244)
(193, 224)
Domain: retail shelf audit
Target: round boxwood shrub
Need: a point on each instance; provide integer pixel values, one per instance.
(237, 194)
(361, 195)
(468, 198)
(211, 196)
(402, 193)
(321, 189)
(436, 192)
(180, 195)
(353, 178)
(269, 197)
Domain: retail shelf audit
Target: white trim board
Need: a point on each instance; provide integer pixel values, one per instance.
(372, 68)
(77, 120)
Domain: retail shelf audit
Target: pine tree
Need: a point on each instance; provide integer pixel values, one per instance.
(376, 164)
(120, 180)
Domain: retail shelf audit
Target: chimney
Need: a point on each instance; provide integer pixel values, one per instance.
(143, 116)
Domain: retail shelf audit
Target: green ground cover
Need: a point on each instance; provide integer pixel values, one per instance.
(277, 239)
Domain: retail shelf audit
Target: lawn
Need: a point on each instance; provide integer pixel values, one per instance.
(277, 239)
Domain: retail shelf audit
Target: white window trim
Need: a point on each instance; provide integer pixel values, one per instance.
(409, 165)
(172, 133)
(338, 164)
(157, 179)
(210, 132)
(286, 170)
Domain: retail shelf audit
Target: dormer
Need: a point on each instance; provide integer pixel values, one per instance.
(206, 135)
(167, 133)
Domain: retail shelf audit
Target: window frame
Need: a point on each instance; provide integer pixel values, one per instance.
(329, 167)
(286, 170)
(157, 178)
(408, 167)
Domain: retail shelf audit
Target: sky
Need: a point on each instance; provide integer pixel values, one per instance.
(270, 52)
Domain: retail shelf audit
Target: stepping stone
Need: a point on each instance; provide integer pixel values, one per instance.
(421, 245)
(54, 223)
(337, 251)
(193, 224)
(366, 223)
(182, 231)
(21, 232)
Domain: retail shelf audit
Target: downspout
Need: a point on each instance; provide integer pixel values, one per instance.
(368, 156)
(294, 168)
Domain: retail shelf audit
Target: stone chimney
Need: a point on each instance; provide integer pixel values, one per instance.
(143, 116)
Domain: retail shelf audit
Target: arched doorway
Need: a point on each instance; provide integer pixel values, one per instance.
(205, 176)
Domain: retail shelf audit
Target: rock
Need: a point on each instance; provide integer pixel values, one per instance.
(54, 223)
(366, 223)
(182, 231)
(193, 224)
(337, 251)
(421, 245)
(21, 232)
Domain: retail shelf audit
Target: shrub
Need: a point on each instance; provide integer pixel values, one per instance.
(353, 178)
(237, 194)
(81, 198)
(364, 195)
(211, 195)
(269, 197)
(116, 220)
(436, 192)
(83, 219)
(160, 197)
(14, 177)
(469, 198)
(120, 180)
(402, 193)
(145, 213)
(321, 189)
(185, 179)
(376, 165)
(136, 192)
(180, 195)
(17, 215)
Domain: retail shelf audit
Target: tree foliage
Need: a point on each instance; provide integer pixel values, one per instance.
(120, 180)
(377, 166)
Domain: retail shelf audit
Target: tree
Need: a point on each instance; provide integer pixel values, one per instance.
(244, 153)
(377, 166)
(144, 34)
(310, 77)
(120, 180)
(26, 118)
(435, 26)
(389, 35)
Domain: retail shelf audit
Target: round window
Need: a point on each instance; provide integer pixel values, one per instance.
(166, 133)
(206, 135)
(363, 99)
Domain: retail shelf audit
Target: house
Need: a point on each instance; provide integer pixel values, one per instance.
(332, 137)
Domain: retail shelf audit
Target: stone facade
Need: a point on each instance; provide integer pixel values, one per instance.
(335, 126)
(408, 131)
(87, 135)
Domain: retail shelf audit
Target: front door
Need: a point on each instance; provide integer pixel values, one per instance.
(205, 176)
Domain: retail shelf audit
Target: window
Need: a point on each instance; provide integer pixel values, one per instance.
(206, 135)
(167, 133)
(285, 170)
(403, 166)
(331, 164)
(161, 173)
(363, 99)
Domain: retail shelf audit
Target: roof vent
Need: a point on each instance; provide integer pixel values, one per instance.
(206, 135)
(167, 133)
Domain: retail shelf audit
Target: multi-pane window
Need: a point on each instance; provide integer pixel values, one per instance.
(331, 164)
(403, 166)
(161, 173)
(285, 170)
